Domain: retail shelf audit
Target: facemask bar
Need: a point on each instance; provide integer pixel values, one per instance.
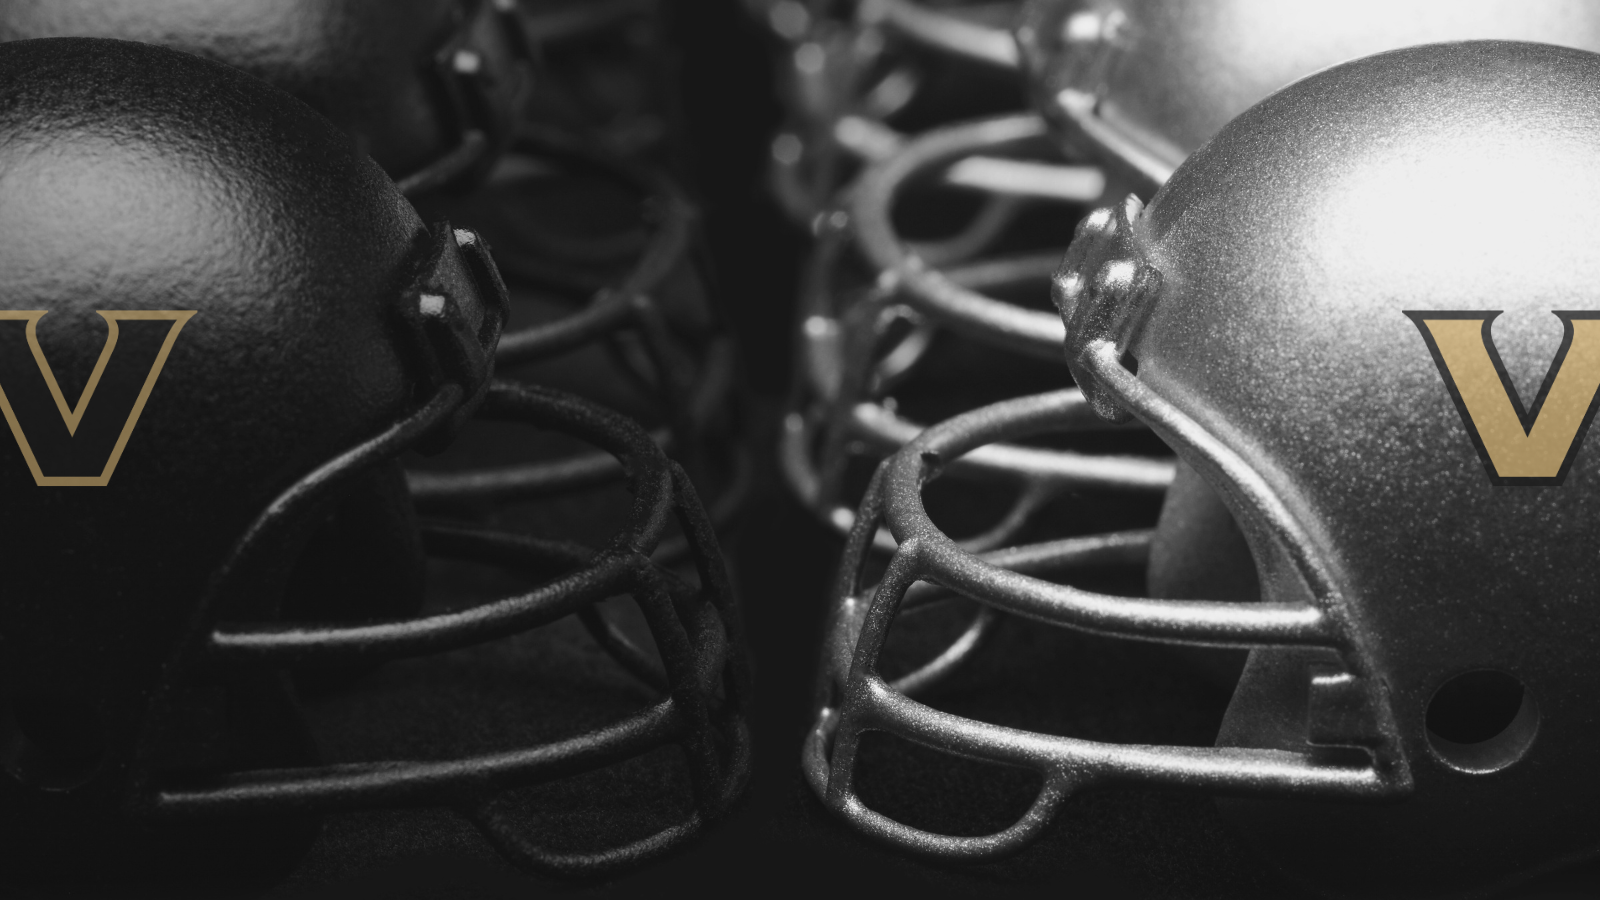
(847, 375)
(854, 698)
(844, 405)
(946, 31)
(836, 94)
(692, 392)
(454, 312)
(478, 72)
(697, 631)
(1068, 79)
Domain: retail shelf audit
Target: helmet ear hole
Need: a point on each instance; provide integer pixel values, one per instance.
(1481, 721)
(47, 742)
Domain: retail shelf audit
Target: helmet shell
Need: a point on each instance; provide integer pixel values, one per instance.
(1297, 251)
(136, 178)
(1142, 83)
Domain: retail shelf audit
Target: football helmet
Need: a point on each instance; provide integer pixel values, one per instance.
(1336, 312)
(278, 324)
(598, 249)
(879, 298)
(430, 88)
(1138, 85)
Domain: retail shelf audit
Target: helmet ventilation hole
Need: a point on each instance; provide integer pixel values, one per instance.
(1481, 721)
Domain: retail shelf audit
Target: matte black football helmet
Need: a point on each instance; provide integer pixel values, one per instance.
(1335, 311)
(598, 249)
(220, 319)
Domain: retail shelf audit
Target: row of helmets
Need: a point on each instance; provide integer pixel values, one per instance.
(440, 307)
(291, 353)
(1291, 227)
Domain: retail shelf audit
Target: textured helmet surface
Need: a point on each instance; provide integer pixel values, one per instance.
(139, 179)
(1142, 83)
(1377, 288)
(380, 69)
(223, 324)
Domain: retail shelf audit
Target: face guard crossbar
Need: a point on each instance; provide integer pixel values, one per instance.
(1352, 747)
(696, 629)
(854, 698)
(841, 405)
(843, 83)
(453, 312)
(691, 387)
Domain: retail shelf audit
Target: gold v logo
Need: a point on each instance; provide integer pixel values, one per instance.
(124, 383)
(1519, 446)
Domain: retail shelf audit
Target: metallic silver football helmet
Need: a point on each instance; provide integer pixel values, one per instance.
(1363, 314)
(1140, 84)
(1137, 85)
(876, 300)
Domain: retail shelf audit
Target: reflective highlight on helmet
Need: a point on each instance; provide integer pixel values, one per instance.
(1419, 630)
